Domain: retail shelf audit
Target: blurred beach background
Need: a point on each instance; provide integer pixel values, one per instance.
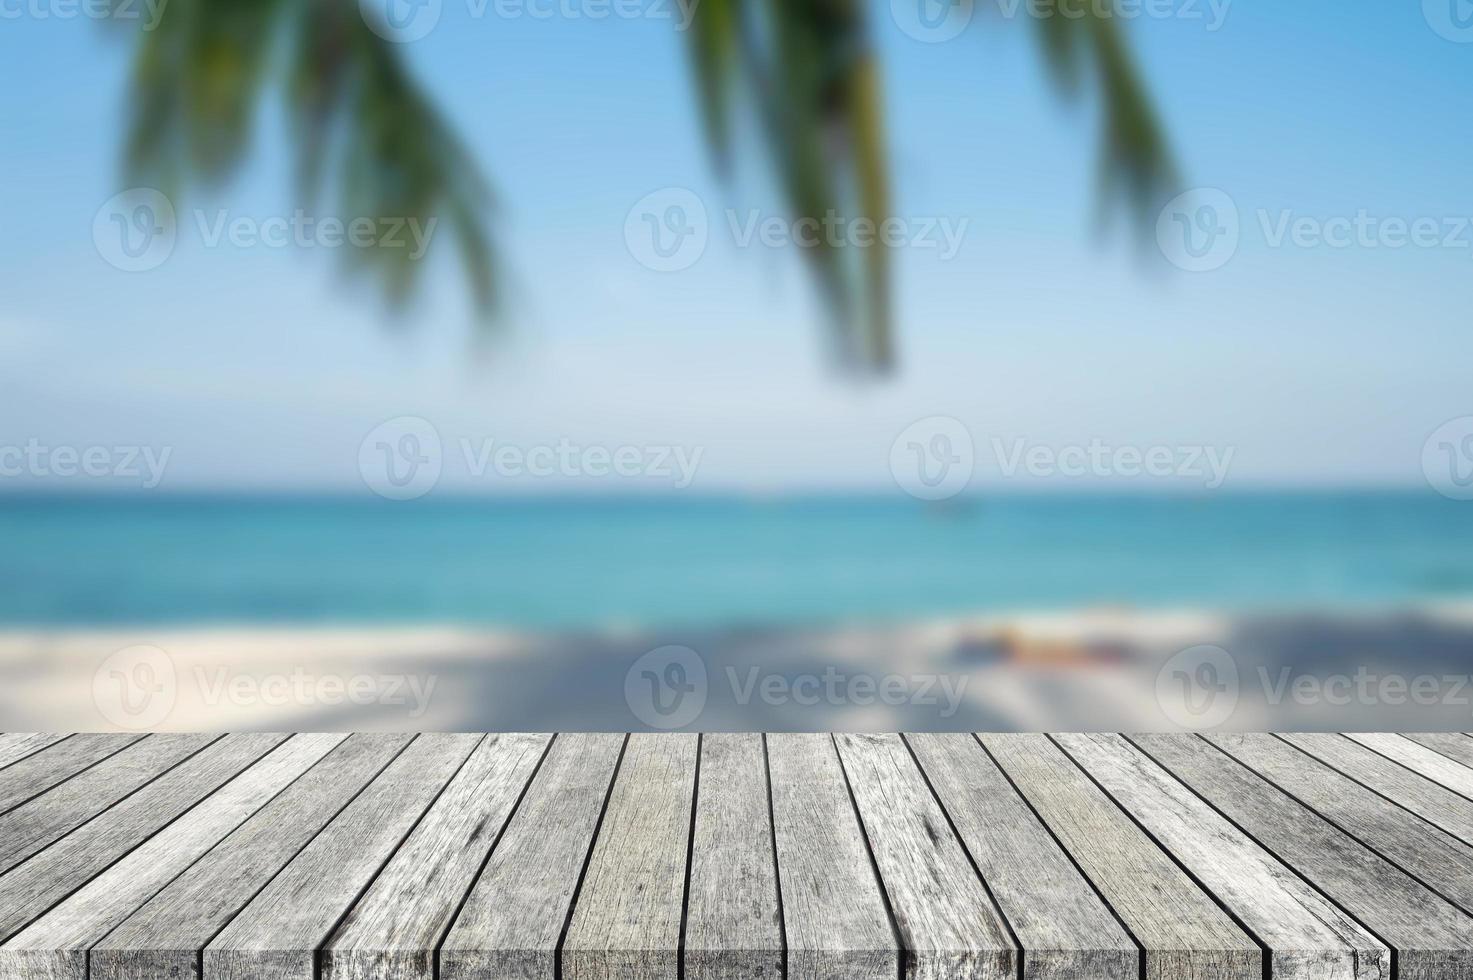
(1118, 434)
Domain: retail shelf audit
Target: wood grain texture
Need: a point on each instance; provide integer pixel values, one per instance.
(1437, 859)
(1431, 937)
(834, 913)
(1183, 932)
(162, 940)
(277, 935)
(1431, 801)
(392, 932)
(948, 924)
(1308, 938)
(33, 825)
(55, 945)
(1455, 745)
(1419, 759)
(38, 772)
(15, 746)
(626, 919)
(1066, 931)
(513, 918)
(733, 926)
(30, 889)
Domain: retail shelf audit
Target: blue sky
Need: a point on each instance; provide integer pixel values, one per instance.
(262, 368)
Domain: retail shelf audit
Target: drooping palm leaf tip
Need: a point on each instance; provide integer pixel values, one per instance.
(363, 131)
(808, 69)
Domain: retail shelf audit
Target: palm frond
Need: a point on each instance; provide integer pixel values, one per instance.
(1135, 162)
(807, 70)
(363, 129)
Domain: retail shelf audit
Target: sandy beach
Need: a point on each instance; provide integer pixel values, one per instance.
(1108, 669)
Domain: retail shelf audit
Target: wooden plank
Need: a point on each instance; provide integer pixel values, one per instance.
(278, 933)
(1420, 760)
(46, 878)
(949, 926)
(1183, 933)
(733, 928)
(55, 945)
(626, 919)
(1431, 801)
(37, 773)
(15, 746)
(162, 940)
(1066, 931)
(1431, 938)
(46, 818)
(392, 932)
(1437, 859)
(834, 912)
(1455, 745)
(1308, 938)
(513, 918)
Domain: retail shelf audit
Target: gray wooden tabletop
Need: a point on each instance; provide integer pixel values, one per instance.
(738, 857)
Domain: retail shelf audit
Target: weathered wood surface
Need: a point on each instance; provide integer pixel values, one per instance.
(627, 917)
(17, 745)
(56, 945)
(1306, 936)
(514, 917)
(36, 773)
(733, 927)
(278, 934)
(834, 913)
(1064, 927)
(1183, 931)
(392, 932)
(949, 925)
(735, 857)
(162, 940)
(1431, 937)
(45, 818)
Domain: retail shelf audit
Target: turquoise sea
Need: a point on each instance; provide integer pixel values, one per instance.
(571, 564)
